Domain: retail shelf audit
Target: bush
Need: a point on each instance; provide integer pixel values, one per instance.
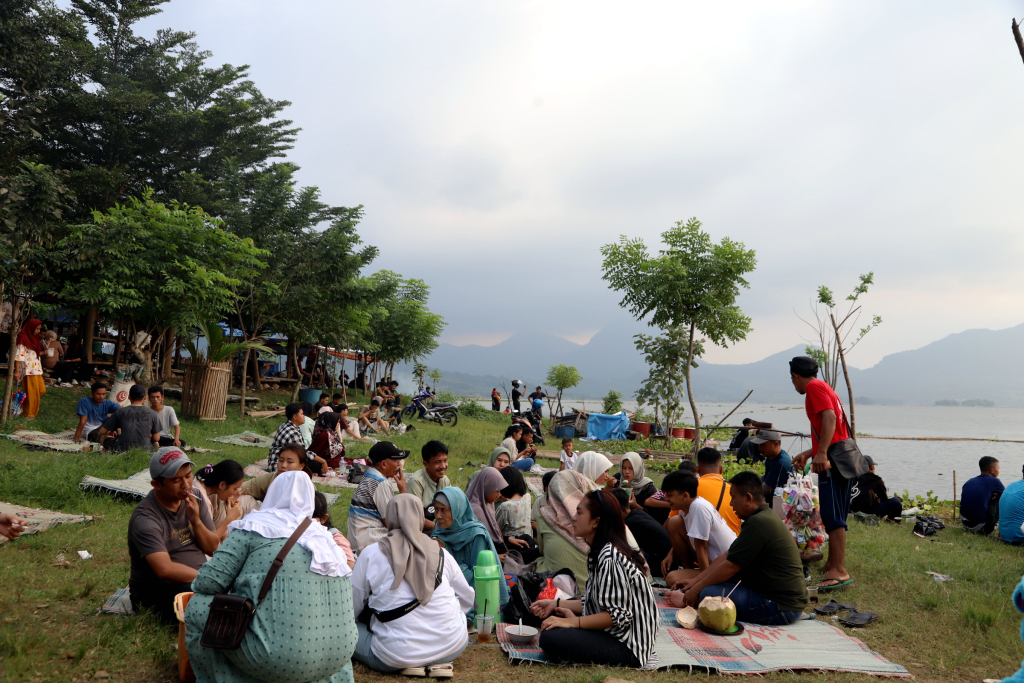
(612, 403)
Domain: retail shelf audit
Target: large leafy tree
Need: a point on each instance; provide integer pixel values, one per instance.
(691, 283)
(163, 265)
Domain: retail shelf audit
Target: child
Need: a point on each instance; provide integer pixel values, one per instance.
(568, 456)
(321, 515)
(699, 534)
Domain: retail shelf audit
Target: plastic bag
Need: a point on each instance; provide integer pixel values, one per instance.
(524, 593)
(802, 513)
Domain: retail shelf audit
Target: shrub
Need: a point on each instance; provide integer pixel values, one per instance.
(612, 403)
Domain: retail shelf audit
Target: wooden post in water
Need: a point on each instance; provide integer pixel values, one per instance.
(952, 516)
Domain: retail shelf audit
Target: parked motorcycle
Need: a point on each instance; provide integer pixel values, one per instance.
(532, 420)
(445, 414)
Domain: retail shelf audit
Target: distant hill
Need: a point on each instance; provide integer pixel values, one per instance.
(963, 366)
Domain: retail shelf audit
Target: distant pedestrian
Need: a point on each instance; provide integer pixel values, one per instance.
(495, 400)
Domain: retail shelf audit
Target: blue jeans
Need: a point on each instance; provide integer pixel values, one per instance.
(525, 464)
(750, 606)
(364, 653)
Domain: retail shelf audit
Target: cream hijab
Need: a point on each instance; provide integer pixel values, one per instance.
(640, 478)
(289, 500)
(413, 555)
(565, 492)
(592, 465)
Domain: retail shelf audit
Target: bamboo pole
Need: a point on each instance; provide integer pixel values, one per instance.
(953, 515)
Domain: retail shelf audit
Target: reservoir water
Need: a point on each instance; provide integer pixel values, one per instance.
(918, 466)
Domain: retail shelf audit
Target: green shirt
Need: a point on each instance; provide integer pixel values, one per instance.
(420, 484)
(770, 561)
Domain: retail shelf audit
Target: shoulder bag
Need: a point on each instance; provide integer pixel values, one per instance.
(845, 455)
(230, 615)
(398, 612)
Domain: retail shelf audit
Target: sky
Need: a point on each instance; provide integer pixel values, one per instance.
(497, 146)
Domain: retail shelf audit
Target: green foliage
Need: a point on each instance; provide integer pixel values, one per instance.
(563, 377)
(419, 373)
(612, 403)
(926, 502)
(218, 348)
(401, 327)
(435, 377)
(666, 356)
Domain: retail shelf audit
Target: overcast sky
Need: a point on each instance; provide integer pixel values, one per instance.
(497, 145)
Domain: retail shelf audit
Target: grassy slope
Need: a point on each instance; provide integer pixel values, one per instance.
(964, 630)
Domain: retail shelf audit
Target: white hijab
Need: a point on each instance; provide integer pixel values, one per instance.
(592, 465)
(289, 500)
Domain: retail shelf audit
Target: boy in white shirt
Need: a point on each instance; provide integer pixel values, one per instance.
(568, 456)
(707, 535)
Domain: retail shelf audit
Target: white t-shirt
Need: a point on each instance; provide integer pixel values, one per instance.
(168, 420)
(704, 523)
(569, 460)
(430, 632)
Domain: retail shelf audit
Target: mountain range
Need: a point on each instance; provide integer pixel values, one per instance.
(975, 364)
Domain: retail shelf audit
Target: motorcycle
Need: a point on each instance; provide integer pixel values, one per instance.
(444, 414)
(532, 420)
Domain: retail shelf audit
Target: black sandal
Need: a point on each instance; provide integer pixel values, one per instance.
(858, 619)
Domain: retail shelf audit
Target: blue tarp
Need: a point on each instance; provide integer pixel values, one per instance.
(607, 427)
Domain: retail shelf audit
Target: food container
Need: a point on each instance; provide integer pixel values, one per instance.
(521, 635)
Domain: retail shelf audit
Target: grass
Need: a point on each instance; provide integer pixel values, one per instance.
(963, 630)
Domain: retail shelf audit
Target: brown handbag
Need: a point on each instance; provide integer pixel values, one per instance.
(230, 615)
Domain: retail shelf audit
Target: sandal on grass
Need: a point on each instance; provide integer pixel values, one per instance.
(857, 619)
(832, 584)
(445, 670)
(832, 607)
(417, 671)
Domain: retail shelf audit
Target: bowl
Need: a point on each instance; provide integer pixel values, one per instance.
(521, 635)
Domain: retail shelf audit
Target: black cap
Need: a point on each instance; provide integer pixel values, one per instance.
(137, 392)
(385, 450)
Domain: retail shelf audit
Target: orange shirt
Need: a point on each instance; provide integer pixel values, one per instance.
(709, 487)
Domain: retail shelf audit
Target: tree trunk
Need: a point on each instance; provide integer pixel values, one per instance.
(241, 413)
(256, 385)
(178, 340)
(15, 327)
(144, 356)
(118, 345)
(344, 384)
(846, 376)
(290, 363)
(698, 441)
(87, 335)
(298, 383)
(167, 358)
(1017, 38)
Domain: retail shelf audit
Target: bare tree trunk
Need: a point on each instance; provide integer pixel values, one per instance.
(846, 375)
(256, 384)
(87, 335)
(118, 345)
(167, 358)
(15, 327)
(344, 384)
(689, 392)
(298, 382)
(244, 368)
(1017, 37)
(178, 340)
(290, 363)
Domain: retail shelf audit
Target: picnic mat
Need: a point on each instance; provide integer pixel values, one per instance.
(65, 442)
(809, 645)
(41, 520)
(137, 486)
(119, 603)
(536, 485)
(246, 438)
(336, 480)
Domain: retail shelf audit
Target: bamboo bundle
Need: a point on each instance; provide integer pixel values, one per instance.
(204, 392)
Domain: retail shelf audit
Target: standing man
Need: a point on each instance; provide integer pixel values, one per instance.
(538, 395)
(287, 433)
(428, 482)
(366, 523)
(825, 413)
(516, 394)
(170, 428)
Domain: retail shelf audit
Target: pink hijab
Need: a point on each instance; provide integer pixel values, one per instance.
(487, 482)
(565, 492)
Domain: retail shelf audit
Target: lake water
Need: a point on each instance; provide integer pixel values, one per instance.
(918, 466)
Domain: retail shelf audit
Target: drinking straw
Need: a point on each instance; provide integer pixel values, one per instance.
(733, 590)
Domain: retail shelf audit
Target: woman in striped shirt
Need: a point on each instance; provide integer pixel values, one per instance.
(616, 622)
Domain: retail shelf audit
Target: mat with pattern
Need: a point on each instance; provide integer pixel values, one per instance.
(336, 480)
(138, 487)
(41, 520)
(65, 442)
(246, 438)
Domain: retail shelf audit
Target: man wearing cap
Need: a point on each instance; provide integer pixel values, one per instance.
(366, 524)
(828, 426)
(134, 426)
(778, 465)
(170, 533)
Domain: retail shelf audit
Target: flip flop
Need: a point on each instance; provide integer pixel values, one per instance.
(832, 607)
(839, 583)
(858, 619)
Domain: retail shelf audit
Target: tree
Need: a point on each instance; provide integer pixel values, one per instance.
(163, 266)
(612, 403)
(833, 334)
(401, 327)
(419, 373)
(665, 356)
(435, 377)
(691, 283)
(563, 377)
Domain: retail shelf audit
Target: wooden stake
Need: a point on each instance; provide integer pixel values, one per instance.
(953, 515)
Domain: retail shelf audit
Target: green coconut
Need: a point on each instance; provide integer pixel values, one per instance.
(717, 613)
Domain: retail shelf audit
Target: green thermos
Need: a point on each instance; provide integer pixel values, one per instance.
(486, 575)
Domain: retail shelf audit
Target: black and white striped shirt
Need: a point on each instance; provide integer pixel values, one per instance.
(616, 586)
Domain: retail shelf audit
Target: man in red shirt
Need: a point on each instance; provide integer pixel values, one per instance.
(825, 412)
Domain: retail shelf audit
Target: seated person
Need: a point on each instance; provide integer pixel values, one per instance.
(370, 418)
(526, 451)
(320, 514)
(741, 435)
(616, 622)
(596, 469)
(323, 404)
(1011, 513)
(291, 458)
(483, 493)
(220, 488)
(513, 433)
(366, 522)
(556, 529)
(698, 534)
(170, 428)
(170, 533)
(567, 458)
(514, 516)
(11, 526)
(712, 488)
(979, 498)
(399, 571)
(304, 629)
(764, 557)
(777, 463)
(92, 411)
(134, 426)
(649, 534)
(349, 426)
(870, 496)
(500, 459)
(635, 479)
(308, 422)
(425, 483)
(287, 433)
(541, 501)
(464, 536)
(337, 401)
(327, 447)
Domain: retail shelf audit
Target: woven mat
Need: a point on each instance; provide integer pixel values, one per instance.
(246, 438)
(41, 520)
(61, 441)
(337, 480)
(808, 645)
(119, 603)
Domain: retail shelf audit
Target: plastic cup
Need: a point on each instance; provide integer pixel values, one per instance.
(484, 622)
